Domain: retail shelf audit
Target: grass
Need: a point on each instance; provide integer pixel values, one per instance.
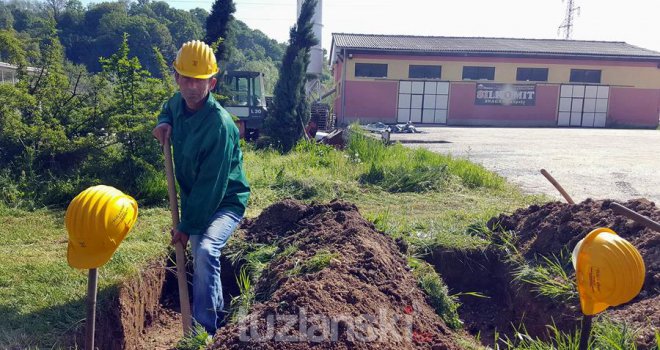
(197, 340)
(317, 262)
(429, 281)
(242, 302)
(605, 335)
(42, 299)
(550, 277)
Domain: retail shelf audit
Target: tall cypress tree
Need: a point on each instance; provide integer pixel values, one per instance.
(217, 26)
(285, 123)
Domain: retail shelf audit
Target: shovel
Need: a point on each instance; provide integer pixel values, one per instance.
(586, 320)
(633, 215)
(557, 186)
(184, 301)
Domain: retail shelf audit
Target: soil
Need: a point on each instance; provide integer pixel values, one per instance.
(123, 315)
(543, 231)
(164, 332)
(366, 298)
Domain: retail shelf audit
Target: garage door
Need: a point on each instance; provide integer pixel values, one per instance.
(583, 105)
(423, 102)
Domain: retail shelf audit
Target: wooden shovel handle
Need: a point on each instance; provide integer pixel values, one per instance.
(633, 215)
(557, 186)
(184, 301)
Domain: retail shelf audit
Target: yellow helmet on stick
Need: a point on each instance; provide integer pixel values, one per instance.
(195, 59)
(97, 220)
(609, 270)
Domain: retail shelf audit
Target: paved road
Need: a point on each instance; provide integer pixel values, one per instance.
(596, 163)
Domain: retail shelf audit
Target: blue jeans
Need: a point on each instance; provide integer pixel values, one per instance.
(208, 302)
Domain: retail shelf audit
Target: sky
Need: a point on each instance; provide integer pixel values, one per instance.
(636, 22)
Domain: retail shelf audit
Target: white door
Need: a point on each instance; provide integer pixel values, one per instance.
(583, 105)
(423, 102)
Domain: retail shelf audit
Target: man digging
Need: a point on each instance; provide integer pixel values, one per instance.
(209, 169)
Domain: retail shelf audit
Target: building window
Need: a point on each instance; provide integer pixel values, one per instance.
(424, 72)
(478, 73)
(532, 74)
(371, 70)
(585, 76)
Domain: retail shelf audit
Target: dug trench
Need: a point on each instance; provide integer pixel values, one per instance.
(508, 304)
(333, 281)
(365, 296)
(143, 312)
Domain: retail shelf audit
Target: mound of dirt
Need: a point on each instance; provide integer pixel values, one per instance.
(547, 229)
(335, 282)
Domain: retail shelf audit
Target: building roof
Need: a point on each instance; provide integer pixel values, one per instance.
(475, 46)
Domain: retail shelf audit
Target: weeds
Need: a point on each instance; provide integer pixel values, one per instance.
(606, 335)
(613, 335)
(197, 340)
(243, 302)
(254, 257)
(396, 179)
(549, 277)
(316, 263)
(523, 341)
(445, 306)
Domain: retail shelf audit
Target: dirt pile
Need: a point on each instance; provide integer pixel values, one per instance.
(549, 228)
(546, 230)
(335, 282)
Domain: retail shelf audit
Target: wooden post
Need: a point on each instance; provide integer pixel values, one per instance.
(586, 332)
(90, 322)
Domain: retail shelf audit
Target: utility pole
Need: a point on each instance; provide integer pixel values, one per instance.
(567, 25)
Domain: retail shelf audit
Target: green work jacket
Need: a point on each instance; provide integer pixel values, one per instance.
(208, 162)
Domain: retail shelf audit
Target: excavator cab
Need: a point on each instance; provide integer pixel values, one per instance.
(246, 100)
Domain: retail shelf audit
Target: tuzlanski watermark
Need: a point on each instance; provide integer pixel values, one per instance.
(303, 327)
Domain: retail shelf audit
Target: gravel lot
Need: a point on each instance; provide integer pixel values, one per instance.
(596, 163)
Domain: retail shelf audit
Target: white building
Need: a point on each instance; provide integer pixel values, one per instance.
(9, 73)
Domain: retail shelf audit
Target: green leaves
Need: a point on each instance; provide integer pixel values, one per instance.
(284, 125)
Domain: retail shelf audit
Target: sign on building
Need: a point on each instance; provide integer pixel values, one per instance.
(505, 94)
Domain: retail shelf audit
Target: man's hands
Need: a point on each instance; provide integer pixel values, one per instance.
(178, 236)
(162, 132)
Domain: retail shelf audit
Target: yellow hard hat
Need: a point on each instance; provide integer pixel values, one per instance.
(195, 59)
(609, 270)
(97, 220)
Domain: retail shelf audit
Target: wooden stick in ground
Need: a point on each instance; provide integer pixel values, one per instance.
(90, 322)
(557, 186)
(633, 215)
(586, 332)
(184, 301)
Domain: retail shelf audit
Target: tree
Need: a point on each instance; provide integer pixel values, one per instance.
(6, 18)
(285, 125)
(11, 50)
(55, 7)
(217, 27)
(200, 15)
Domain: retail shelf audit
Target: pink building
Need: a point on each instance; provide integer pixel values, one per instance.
(494, 81)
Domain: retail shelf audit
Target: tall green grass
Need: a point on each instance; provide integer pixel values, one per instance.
(445, 305)
(401, 169)
(605, 335)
